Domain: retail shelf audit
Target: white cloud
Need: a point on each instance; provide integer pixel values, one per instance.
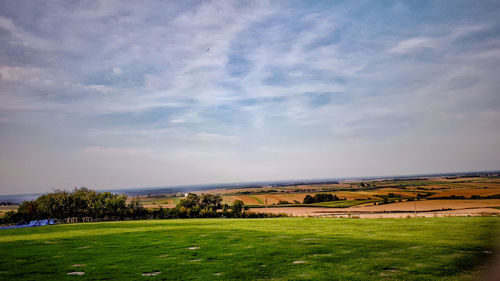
(412, 44)
(100, 88)
(435, 42)
(30, 75)
(117, 70)
(23, 37)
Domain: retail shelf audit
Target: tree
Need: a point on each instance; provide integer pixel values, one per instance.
(28, 210)
(190, 201)
(135, 203)
(308, 199)
(237, 207)
(135, 208)
(210, 201)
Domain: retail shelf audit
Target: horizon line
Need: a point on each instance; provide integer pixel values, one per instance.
(230, 184)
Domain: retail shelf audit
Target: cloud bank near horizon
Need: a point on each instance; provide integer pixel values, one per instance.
(112, 94)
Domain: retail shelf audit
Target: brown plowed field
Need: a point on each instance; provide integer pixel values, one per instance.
(426, 205)
(468, 192)
(439, 207)
(364, 213)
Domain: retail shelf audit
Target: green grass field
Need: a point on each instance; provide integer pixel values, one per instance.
(252, 249)
(257, 199)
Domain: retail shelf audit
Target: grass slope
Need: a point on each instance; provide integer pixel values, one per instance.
(251, 249)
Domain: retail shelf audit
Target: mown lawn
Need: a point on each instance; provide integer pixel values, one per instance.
(252, 249)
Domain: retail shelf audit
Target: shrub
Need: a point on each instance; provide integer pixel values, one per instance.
(308, 199)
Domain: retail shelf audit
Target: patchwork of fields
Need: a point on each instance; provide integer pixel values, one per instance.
(5, 209)
(435, 197)
(253, 249)
(438, 196)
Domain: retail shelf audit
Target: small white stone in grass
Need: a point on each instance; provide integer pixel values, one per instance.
(308, 239)
(151, 273)
(218, 274)
(193, 248)
(297, 262)
(76, 273)
(195, 260)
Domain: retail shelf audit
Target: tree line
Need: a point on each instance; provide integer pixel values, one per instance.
(320, 197)
(103, 206)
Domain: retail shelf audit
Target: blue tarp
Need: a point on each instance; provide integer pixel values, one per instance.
(31, 224)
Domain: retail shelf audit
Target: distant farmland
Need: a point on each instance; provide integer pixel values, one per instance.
(438, 196)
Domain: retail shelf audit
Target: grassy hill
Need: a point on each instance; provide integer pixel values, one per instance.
(252, 249)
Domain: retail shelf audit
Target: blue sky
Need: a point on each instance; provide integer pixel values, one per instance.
(113, 94)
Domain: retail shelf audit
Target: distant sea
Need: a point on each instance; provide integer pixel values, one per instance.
(19, 198)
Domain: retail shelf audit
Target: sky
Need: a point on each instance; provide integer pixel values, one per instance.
(118, 94)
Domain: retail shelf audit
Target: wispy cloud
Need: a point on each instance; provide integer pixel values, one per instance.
(436, 42)
(22, 37)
